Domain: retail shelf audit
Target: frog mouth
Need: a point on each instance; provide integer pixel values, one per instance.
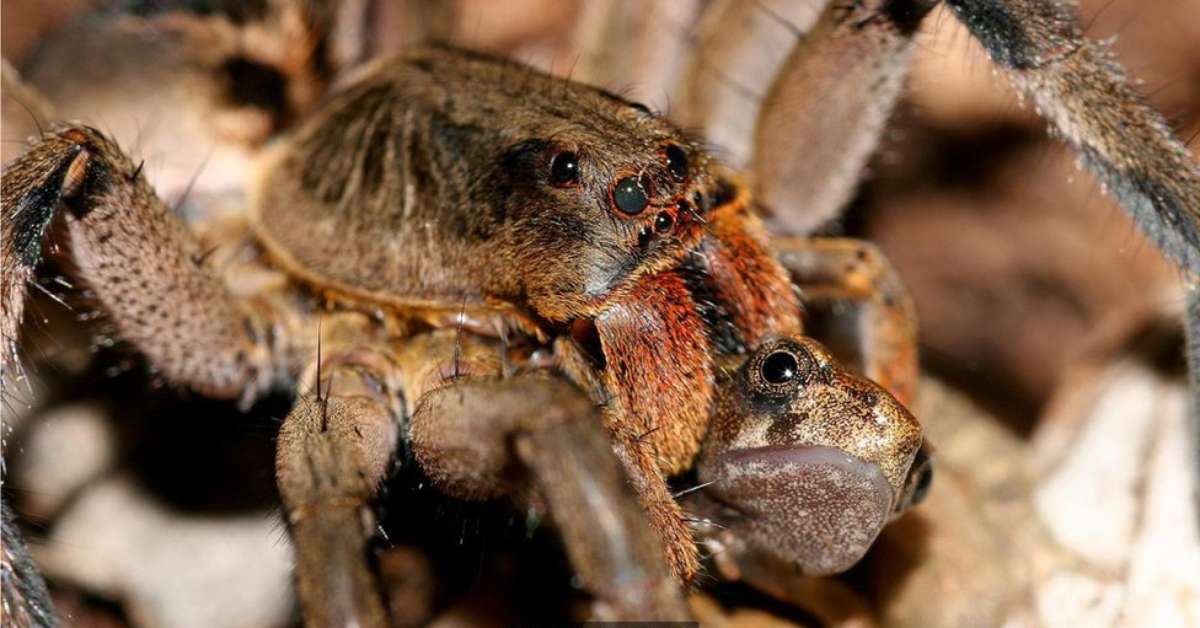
(814, 506)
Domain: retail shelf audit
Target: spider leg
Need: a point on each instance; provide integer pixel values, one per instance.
(334, 450)
(854, 270)
(1192, 327)
(825, 111)
(1092, 104)
(550, 432)
(24, 600)
(137, 258)
(738, 47)
(632, 47)
(479, 436)
(818, 113)
(1130, 149)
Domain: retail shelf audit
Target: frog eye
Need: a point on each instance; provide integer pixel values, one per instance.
(779, 367)
(629, 196)
(564, 169)
(677, 162)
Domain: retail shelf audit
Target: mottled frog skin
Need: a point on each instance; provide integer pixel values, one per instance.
(807, 460)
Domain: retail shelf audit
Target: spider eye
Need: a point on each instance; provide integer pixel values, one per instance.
(663, 222)
(780, 367)
(564, 169)
(677, 162)
(629, 196)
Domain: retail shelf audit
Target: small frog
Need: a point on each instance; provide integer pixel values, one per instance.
(806, 461)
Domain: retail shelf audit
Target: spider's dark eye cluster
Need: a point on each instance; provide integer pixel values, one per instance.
(630, 196)
(564, 169)
(677, 162)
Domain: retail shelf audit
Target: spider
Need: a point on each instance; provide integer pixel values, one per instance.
(644, 288)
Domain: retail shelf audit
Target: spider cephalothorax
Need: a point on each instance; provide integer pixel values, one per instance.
(486, 181)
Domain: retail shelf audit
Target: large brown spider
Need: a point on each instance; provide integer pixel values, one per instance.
(444, 190)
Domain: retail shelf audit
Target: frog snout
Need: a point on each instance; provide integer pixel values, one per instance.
(817, 507)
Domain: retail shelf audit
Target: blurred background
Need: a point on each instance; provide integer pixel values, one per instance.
(1048, 325)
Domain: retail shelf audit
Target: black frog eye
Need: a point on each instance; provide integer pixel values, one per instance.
(629, 196)
(677, 162)
(780, 367)
(564, 169)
